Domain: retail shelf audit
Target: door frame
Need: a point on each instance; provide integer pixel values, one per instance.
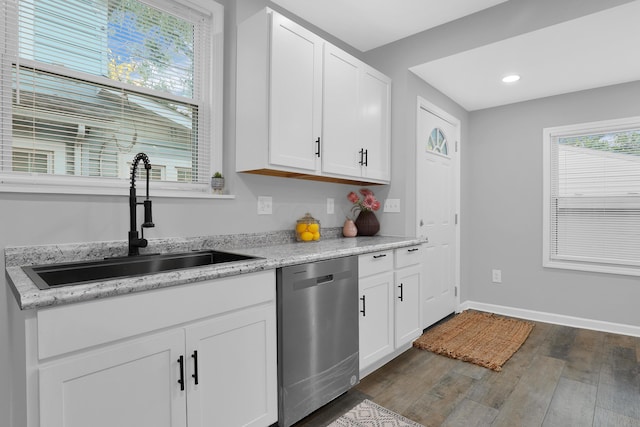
(437, 111)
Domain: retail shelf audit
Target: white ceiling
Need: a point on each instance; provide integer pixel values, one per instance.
(596, 50)
(367, 24)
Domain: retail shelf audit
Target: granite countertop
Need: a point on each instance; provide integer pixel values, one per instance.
(273, 250)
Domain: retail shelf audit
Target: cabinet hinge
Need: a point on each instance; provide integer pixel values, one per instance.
(455, 290)
(456, 146)
(456, 219)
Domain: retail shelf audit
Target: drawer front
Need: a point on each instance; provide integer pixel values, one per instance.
(374, 263)
(410, 255)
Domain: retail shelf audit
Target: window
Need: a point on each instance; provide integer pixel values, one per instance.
(31, 161)
(592, 196)
(87, 84)
(437, 142)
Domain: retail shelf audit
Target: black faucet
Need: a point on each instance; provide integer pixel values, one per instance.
(135, 242)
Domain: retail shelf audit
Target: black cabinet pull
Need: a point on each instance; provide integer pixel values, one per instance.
(379, 256)
(195, 366)
(363, 311)
(413, 249)
(366, 157)
(401, 289)
(361, 152)
(318, 147)
(181, 380)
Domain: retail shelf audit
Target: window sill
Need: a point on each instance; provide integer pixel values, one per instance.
(593, 268)
(98, 187)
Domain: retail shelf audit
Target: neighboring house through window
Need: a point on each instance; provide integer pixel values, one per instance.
(592, 196)
(87, 84)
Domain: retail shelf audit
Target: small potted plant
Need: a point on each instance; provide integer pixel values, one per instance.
(217, 183)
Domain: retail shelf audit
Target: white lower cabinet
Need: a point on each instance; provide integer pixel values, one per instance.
(131, 384)
(236, 382)
(197, 355)
(376, 317)
(407, 304)
(389, 287)
(222, 376)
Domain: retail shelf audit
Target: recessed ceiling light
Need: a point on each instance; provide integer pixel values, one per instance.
(511, 78)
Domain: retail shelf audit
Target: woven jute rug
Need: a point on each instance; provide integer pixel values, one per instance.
(485, 339)
(370, 414)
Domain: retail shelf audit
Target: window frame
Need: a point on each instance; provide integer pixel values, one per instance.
(212, 93)
(549, 137)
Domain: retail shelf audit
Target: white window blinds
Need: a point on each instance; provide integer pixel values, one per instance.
(93, 82)
(592, 196)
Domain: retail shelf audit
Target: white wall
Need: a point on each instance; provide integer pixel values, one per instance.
(504, 210)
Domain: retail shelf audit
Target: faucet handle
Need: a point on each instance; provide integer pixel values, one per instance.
(148, 221)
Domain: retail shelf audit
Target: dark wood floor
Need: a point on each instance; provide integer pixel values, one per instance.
(561, 376)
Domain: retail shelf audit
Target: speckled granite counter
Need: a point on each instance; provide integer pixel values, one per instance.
(274, 249)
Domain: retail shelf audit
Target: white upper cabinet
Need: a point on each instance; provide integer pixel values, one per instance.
(307, 109)
(295, 98)
(355, 118)
(375, 128)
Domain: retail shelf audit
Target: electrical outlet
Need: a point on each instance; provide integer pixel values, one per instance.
(330, 206)
(265, 205)
(496, 276)
(392, 205)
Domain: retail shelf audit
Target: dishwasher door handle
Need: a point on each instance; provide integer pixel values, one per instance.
(324, 279)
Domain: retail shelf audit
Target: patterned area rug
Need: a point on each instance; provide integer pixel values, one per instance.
(370, 414)
(485, 339)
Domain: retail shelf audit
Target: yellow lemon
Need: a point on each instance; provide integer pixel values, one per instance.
(301, 227)
(316, 235)
(314, 228)
(306, 236)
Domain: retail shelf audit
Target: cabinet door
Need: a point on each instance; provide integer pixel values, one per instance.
(341, 113)
(375, 92)
(134, 384)
(236, 370)
(295, 98)
(407, 310)
(376, 318)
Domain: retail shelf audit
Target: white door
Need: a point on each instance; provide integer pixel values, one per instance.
(133, 384)
(437, 199)
(375, 96)
(341, 128)
(407, 308)
(296, 95)
(233, 358)
(376, 318)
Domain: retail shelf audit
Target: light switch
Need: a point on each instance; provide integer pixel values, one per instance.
(330, 206)
(392, 205)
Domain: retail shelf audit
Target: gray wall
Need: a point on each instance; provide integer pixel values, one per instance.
(504, 210)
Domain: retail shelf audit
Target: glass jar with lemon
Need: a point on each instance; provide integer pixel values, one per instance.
(307, 229)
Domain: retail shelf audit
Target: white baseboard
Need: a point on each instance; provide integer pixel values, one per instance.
(558, 319)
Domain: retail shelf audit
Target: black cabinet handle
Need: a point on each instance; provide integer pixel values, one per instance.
(401, 289)
(366, 157)
(181, 380)
(363, 311)
(318, 147)
(379, 256)
(361, 152)
(413, 249)
(195, 366)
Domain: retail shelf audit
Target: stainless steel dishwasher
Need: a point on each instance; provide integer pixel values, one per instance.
(317, 335)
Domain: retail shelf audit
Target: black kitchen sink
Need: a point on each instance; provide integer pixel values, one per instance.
(76, 273)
